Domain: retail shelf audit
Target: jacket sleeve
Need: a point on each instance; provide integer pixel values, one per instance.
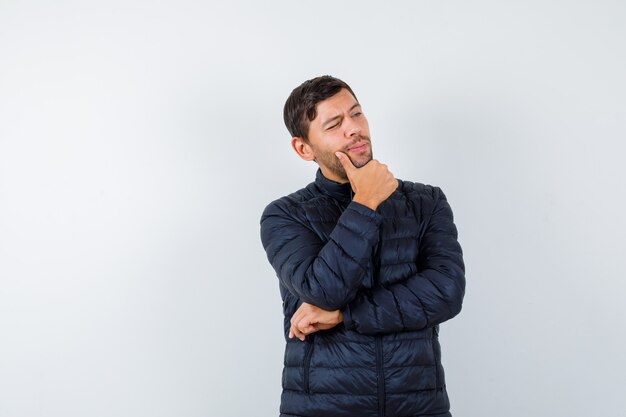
(325, 274)
(431, 296)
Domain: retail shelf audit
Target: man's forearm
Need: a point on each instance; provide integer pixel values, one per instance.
(327, 274)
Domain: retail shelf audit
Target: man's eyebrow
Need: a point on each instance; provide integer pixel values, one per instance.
(355, 105)
(332, 119)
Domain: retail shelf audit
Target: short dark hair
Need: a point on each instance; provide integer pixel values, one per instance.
(300, 107)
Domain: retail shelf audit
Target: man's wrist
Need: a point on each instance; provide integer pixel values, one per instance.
(339, 316)
(366, 202)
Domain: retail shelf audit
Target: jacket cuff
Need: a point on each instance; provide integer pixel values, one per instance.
(347, 318)
(366, 211)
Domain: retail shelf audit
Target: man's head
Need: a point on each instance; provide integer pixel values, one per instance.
(323, 117)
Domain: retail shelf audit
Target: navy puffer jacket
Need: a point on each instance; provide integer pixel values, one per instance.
(395, 273)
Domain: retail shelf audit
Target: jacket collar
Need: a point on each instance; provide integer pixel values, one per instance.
(331, 188)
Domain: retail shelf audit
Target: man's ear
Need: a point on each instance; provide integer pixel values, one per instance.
(302, 148)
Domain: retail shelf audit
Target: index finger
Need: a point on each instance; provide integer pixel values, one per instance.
(345, 161)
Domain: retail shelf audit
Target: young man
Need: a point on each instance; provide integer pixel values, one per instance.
(368, 267)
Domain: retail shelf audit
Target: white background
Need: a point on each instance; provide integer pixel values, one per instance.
(141, 140)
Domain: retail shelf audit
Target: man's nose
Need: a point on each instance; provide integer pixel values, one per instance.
(352, 129)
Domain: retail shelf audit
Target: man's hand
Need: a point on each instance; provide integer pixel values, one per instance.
(309, 319)
(373, 183)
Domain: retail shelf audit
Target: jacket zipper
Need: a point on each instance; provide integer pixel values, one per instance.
(307, 362)
(380, 375)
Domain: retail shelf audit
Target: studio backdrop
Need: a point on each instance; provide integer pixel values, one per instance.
(140, 142)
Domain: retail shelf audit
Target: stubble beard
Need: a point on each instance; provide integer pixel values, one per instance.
(331, 161)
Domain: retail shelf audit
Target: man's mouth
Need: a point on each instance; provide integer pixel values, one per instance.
(358, 147)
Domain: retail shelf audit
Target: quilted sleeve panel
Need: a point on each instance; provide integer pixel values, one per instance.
(432, 295)
(325, 274)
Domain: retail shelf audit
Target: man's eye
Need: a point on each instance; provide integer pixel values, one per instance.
(333, 126)
(357, 114)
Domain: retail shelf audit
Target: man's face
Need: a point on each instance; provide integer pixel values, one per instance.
(341, 126)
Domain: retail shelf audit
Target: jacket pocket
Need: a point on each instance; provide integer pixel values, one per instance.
(439, 376)
(308, 353)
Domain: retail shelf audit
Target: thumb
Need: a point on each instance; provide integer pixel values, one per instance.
(345, 162)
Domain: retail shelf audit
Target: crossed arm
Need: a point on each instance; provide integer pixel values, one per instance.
(331, 280)
(431, 296)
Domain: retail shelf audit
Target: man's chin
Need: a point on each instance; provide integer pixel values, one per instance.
(360, 162)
